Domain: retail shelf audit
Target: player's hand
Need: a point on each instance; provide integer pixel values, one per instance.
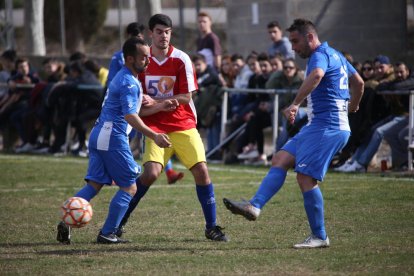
(170, 105)
(352, 109)
(162, 140)
(290, 113)
(148, 101)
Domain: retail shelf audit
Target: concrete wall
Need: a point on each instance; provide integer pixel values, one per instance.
(364, 28)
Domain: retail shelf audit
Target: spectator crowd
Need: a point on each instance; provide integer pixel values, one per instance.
(36, 107)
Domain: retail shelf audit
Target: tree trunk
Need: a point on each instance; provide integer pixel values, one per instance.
(34, 28)
(146, 9)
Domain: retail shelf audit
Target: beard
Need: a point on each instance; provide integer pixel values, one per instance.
(140, 69)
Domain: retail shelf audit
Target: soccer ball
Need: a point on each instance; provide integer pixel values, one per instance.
(76, 212)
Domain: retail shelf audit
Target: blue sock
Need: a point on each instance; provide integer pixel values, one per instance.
(117, 208)
(208, 204)
(141, 191)
(313, 202)
(271, 184)
(168, 166)
(87, 192)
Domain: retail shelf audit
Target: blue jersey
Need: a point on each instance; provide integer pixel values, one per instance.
(117, 61)
(328, 102)
(124, 96)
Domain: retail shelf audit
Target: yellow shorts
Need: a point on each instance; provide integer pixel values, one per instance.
(186, 145)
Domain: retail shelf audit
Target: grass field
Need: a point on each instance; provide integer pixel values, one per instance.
(369, 218)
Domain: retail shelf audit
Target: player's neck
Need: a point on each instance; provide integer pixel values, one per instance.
(159, 54)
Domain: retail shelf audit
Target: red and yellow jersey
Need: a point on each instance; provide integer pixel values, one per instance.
(172, 76)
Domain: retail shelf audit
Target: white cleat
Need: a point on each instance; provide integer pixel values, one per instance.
(312, 242)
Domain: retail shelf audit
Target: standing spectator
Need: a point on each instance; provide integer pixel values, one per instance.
(208, 44)
(280, 44)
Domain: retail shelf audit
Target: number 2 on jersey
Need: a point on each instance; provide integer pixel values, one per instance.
(343, 82)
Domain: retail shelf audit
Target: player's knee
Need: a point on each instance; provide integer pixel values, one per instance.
(283, 160)
(149, 177)
(200, 173)
(130, 190)
(95, 185)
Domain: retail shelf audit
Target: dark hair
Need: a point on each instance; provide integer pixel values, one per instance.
(77, 66)
(49, 60)
(198, 57)
(77, 56)
(160, 19)
(302, 26)
(399, 63)
(10, 55)
(21, 60)
(235, 57)
(130, 46)
(273, 24)
(263, 57)
(92, 66)
(134, 29)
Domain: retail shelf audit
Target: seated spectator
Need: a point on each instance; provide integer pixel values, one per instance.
(277, 62)
(290, 78)
(16, 105)
(251, 143)
(393, 123)
(75, 105)
(226, 74)
(7, 60)
(37, 120)
(100, 72)
(208, 100)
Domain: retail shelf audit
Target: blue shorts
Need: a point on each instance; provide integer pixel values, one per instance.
(107, 166)
(314, 148)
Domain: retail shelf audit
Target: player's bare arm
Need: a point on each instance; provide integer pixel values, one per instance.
(183, 98)
(356, 84)
(158, 106)
(161, 139)
(308, 85)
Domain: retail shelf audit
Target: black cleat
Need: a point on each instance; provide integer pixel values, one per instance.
(109, 239)
(120, 231)
(215, 234)
(63, 234)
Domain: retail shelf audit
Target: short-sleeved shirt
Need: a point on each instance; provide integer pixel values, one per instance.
(117, 61)
(282, 47)
(209, 46)
(124, 96)
(328, 102)
(162, 79)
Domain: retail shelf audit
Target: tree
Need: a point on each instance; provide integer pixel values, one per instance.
(34, 28)
(147, 8)
(82, 20)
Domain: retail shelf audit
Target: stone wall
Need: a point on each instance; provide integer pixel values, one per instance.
(364, 28)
